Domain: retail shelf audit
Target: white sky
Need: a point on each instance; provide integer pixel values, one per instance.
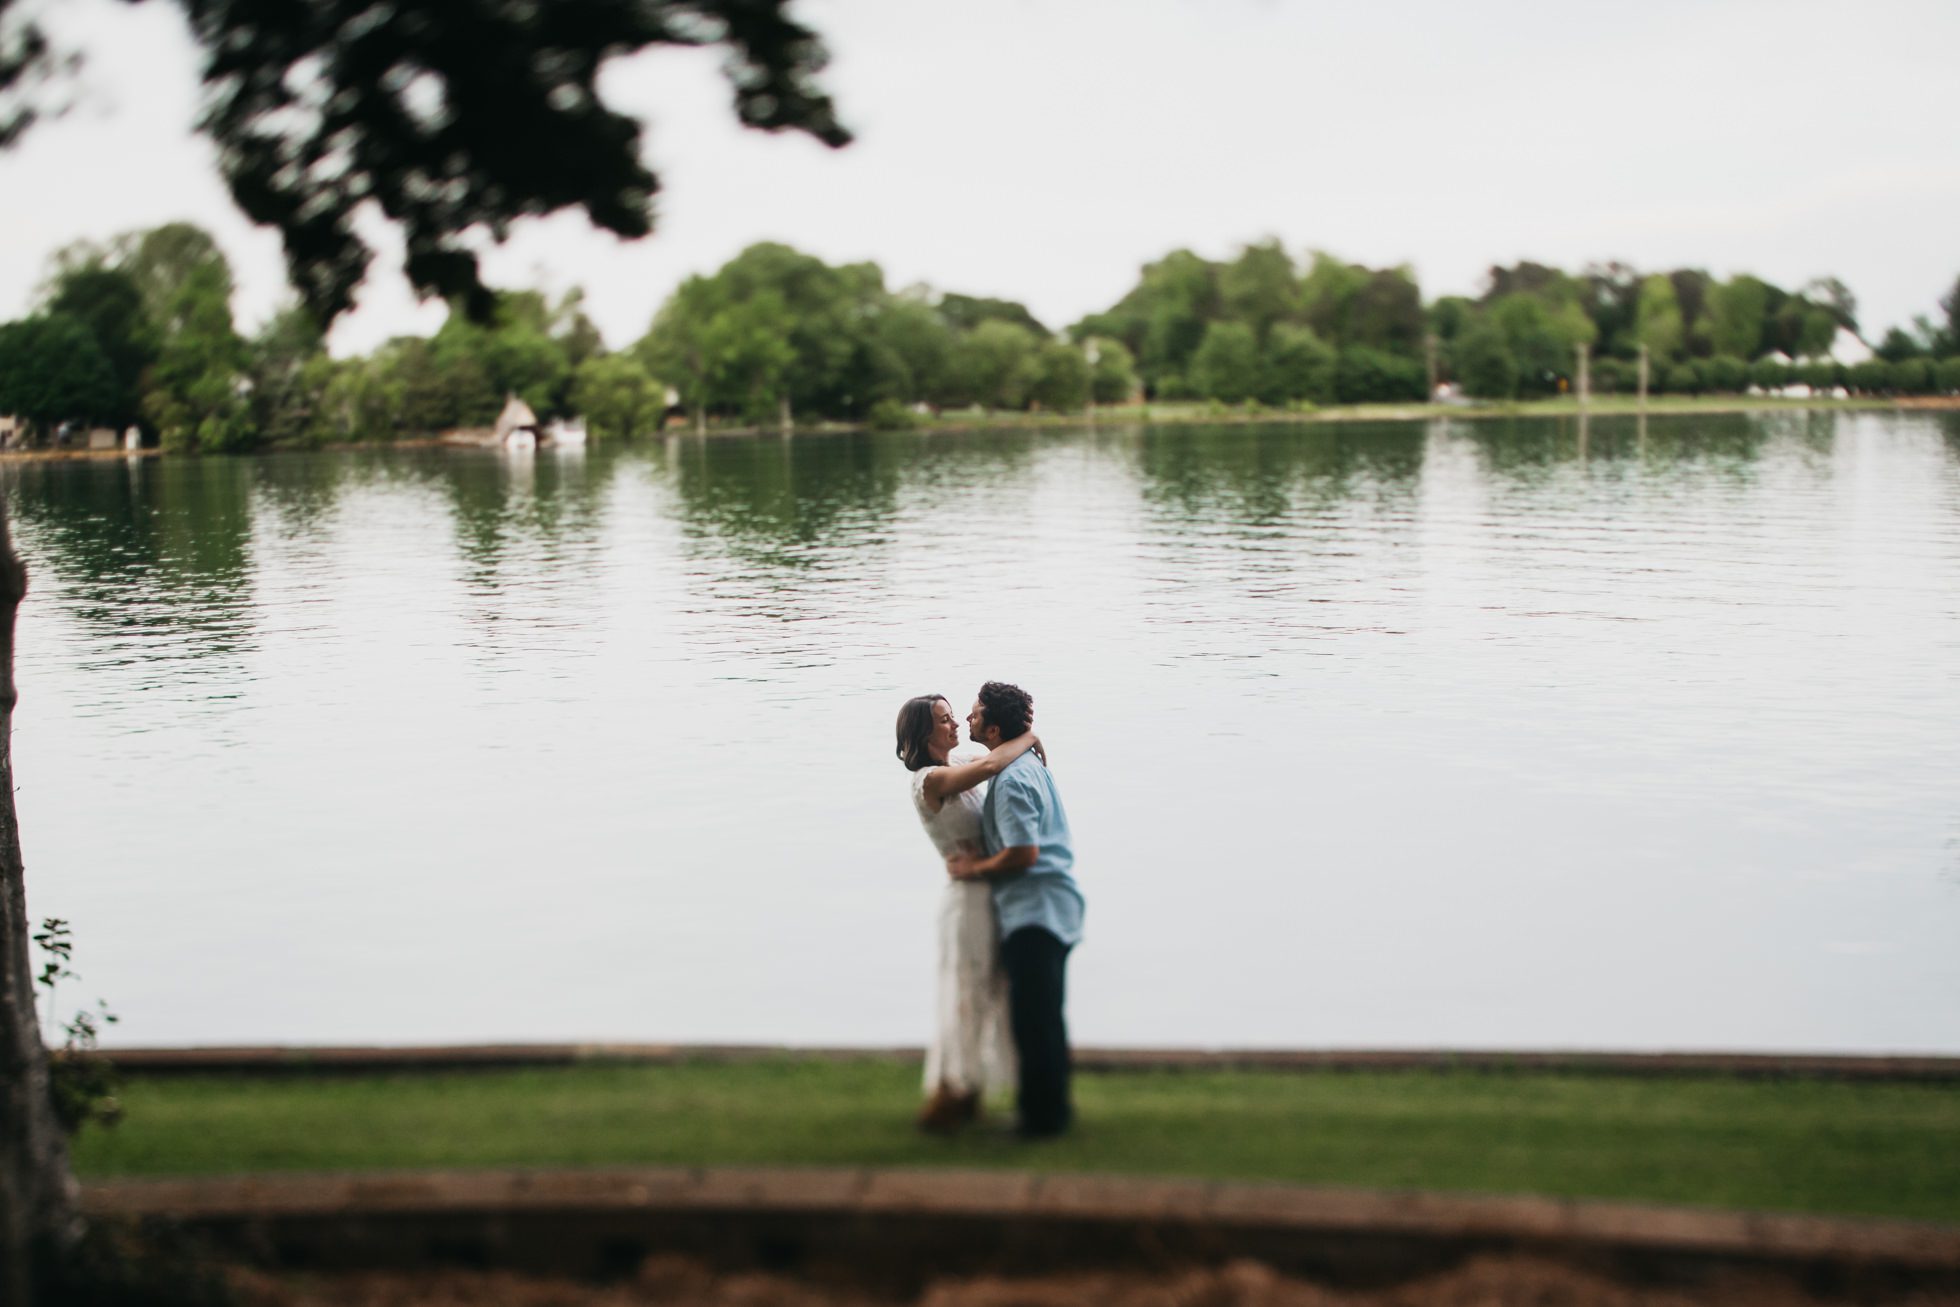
(1044, 151)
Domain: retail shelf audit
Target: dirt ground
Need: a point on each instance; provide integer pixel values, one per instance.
(678, 1282)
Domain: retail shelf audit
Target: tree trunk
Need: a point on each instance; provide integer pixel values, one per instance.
(37, 1190)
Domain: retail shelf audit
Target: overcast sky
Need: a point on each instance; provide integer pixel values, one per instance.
(1045, 151)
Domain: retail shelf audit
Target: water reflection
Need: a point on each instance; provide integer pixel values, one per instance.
(153, 558)
(1435, 684)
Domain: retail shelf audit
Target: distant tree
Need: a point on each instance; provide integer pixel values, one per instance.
(106, 301)
(162, 260)
(197, 394)
(52, 370)
(290, 373)
(1484, 364)
(1260, 287)
(1535, 279)
(1226, 366)
(1115, 373)
(1162, 318)
(1451, 316)
(1950, 304)
(996, 363)
(1871, 377)
(1899, 345)
(1371, 376)
(1349, 305)
(1834, 295)
(917, 346)
(1386, 313)
(1296, 365)
(965, 312)
(1612, 301)
(1737, 309)
(1657, 319)
(1769, 374)
(1059, 379)
(1691, 287)
(616, 396)
(1724, 374)
(1542, 338)
(1912, 376)
(1946, 376)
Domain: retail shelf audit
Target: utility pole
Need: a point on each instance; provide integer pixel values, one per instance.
(1643, 378)
(1429, 362)
(1582, 375)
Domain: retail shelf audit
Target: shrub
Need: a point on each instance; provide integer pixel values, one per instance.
(1946, 376)
(1369, 376)
(1484, 364)
(1912, 377)
(1769, 374)
(1872, 377)
(1679, 379)
(891, 415)
(1725, 375)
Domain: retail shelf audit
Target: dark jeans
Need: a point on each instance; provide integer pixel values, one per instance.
(1037, 966)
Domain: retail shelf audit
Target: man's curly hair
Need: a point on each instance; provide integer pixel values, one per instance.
(1007, 706)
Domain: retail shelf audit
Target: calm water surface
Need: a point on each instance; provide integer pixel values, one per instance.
(1497, 734)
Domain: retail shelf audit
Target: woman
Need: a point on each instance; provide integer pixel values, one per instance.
(972, 1049)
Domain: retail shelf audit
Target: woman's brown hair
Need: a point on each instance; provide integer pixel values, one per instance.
(915, 730)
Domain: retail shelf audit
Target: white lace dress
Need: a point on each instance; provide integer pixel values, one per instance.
(972, 1047)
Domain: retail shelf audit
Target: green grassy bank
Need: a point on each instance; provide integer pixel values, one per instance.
(1791, 1145)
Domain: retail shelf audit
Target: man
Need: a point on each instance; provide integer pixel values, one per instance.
(1028, 855)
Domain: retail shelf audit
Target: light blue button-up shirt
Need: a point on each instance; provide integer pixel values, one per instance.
(1023, 807)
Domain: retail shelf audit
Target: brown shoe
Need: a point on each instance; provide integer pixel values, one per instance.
(946, 1111)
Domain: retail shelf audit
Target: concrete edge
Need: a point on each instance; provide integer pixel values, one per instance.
(992, 1198)
(355, 1059)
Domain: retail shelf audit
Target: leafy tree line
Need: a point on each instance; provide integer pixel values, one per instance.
(140, 331)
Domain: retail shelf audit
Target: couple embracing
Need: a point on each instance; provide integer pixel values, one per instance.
(1011, 911)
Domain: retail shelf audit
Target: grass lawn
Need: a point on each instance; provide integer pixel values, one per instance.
(1791, 1145)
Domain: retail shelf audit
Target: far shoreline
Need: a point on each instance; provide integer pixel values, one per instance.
(1121, 415)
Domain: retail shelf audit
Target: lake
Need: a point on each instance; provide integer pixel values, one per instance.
(1496, 734)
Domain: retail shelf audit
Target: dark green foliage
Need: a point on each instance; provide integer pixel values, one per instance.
(1771, 375)
(1724, 375)
(996, 365)
(965, 312)
(52, 370)
(196, 397)
(1296, 365)
(460, 117)
(1226, 366)
(1822, 375)
(108, 302)
(1612, 376)
(1260, 287)
(616, 397)
(1946, 376)
(1680, 379)
(1484, 365)
(1912, 376)
(1115, 372)
(890, 415)
(1872, 377)
(290, 372)
(1059, 380)
(1369, 376)
(1899, 345)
